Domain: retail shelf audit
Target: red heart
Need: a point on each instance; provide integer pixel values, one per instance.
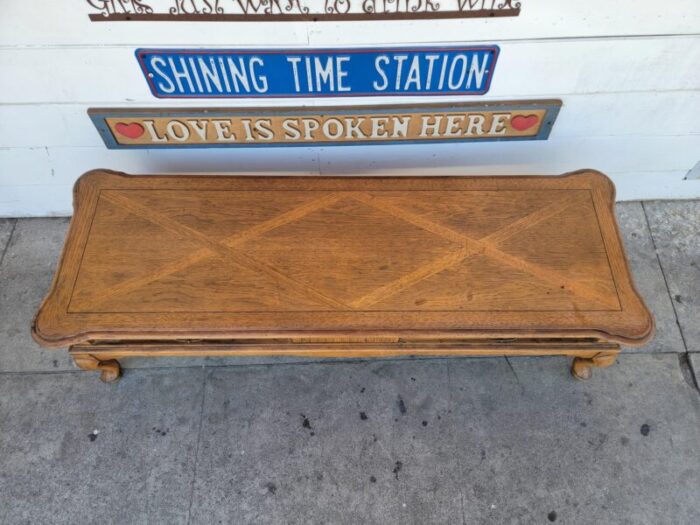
(522, 122)
(132, 131)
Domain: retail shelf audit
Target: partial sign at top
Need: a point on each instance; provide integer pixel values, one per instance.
(299, 10)
(223, 73)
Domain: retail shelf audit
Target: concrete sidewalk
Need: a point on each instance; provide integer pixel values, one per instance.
(385, 441)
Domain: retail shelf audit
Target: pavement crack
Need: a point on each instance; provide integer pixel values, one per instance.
(196, 447)
(461, 506)
(449, 387)
(515, 374)
(9, 240)
(687, 371)
(663, 274)
(38, 372)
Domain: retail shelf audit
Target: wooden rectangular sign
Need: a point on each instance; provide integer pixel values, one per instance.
(252, 127)
(395, 71)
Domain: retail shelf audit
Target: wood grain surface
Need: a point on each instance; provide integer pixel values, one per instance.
(405, 259)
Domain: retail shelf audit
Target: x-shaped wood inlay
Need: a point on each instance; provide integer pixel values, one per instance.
(487, 246)
(467, 246)
(224, 249)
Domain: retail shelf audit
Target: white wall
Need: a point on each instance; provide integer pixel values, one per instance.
(627, 71)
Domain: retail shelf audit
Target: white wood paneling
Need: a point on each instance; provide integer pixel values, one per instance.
(649, 185)
(608, 154)
(59, 167)
(36, 201)
(539, 20)
(63, 165)
(524, 69)
(75, 29)
(672, 113)
(626, 71)
(66, 23)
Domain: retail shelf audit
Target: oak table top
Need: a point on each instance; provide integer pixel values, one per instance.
(205, 258)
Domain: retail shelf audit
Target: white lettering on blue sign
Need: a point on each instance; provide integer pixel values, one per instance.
(266, 73)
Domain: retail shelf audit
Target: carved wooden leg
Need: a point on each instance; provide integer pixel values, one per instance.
(110, 371)
(581, 367)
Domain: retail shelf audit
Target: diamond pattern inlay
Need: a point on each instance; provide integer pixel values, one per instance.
(347, 259)
(331, 250)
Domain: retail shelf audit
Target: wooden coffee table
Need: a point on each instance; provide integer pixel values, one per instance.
(342, 267)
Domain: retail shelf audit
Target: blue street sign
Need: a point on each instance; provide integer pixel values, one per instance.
(396, 71)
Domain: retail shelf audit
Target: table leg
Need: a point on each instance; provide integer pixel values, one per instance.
(110, 371)
(581, 367)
